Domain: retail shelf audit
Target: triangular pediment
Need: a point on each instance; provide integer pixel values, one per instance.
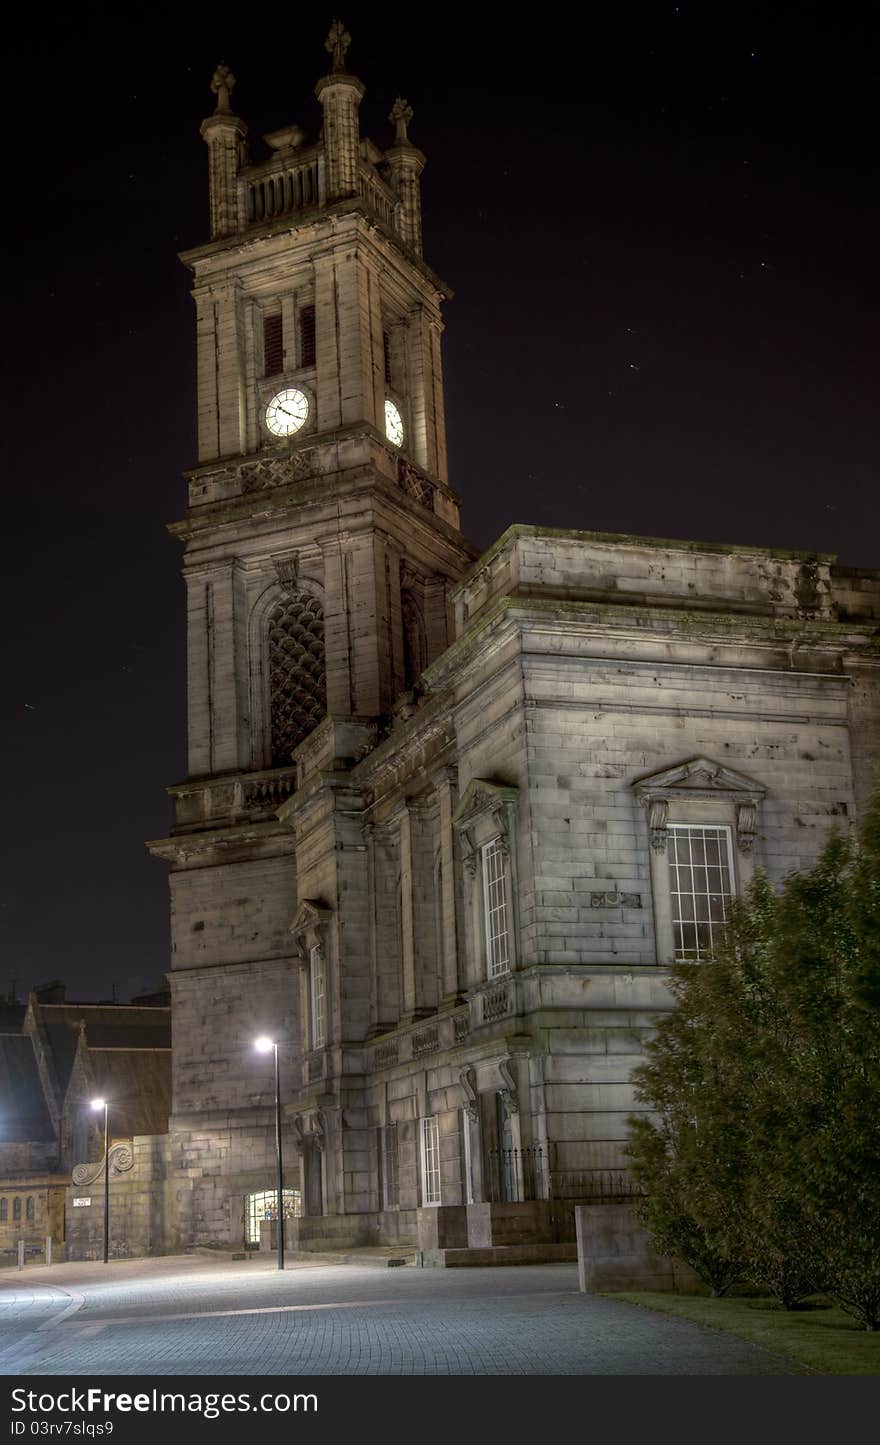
(479, 798)
(699, 777)
(309, 914)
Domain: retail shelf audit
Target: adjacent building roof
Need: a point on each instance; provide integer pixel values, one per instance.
(138, 1081)
(24, 1115)
(52, 1053)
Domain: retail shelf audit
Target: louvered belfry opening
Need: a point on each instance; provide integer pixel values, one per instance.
(307, 336)
(273, 345)
(297, 683)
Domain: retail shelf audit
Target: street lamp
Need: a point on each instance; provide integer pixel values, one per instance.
(102, 1104)
(266, 1045)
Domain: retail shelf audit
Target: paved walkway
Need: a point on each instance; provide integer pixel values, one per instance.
(197, 1316)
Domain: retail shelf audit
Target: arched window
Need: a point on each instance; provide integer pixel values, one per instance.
(29, 1210)
(16, 1209)
(297, 682)
(4, 1210)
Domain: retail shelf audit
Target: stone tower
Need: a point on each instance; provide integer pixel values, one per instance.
(321, 541)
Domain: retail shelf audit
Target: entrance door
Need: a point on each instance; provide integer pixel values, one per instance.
(499, 1156)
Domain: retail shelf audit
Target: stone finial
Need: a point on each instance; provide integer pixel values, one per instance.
(337, 44)
(222, 85)
(400, 117)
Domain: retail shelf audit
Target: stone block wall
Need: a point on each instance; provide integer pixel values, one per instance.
(219, 1011)
(580, 565)
(217, 1160)
(594, 729)
(142, 1212)
(616, 1253)
(48, 1218)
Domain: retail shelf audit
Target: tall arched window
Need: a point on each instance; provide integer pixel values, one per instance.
(297, 682)
(4, 1210)
(415, 652)
(29, 1210)
(16, 1209)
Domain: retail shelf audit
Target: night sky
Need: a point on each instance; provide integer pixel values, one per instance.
(661, 226)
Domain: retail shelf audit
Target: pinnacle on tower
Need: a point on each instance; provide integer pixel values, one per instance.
(225, 135)
(340, 95)
(336, 44)
(222, 85)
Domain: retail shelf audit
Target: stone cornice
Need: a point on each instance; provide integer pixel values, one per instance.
(180, 848)
(520, 609)
(226, 251)
(509, 537)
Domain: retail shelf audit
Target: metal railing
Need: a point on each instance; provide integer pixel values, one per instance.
(516, 1175)
(571, 1187)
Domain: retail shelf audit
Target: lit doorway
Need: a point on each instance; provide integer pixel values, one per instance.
(263, 1206)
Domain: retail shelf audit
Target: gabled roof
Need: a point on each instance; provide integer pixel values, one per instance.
(138, 1082)
(23, 1112)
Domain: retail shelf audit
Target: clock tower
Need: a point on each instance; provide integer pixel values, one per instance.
(321, 542)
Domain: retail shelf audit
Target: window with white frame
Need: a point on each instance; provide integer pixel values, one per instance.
(467, 1162)
(701, 885)
(318, 994)
(496, 876)
(430, 1159)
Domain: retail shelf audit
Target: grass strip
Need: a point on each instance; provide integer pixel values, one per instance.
(819, 1336)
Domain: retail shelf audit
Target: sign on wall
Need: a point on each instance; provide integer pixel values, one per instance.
(78, 1203)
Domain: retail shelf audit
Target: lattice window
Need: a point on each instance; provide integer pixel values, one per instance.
(30, 1211)
(430, 1160)
(16, 1209)
(495, 881)
(4, 1210)
(386, 356)
(297, 685)
(273, 345)
(700, 877)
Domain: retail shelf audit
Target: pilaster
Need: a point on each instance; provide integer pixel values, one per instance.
(406, 916)
(445, 783)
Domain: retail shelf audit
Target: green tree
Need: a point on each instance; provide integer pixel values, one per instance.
(760, 1155)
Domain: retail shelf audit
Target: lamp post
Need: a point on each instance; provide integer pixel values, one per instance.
(264, 1045)
(102, 1104)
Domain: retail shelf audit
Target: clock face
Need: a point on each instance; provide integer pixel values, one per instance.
(393, 424)
(287, 412)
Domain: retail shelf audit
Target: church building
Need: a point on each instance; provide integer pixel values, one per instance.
(447, 817)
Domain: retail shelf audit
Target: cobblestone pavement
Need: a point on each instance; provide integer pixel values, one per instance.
(197, 1316)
